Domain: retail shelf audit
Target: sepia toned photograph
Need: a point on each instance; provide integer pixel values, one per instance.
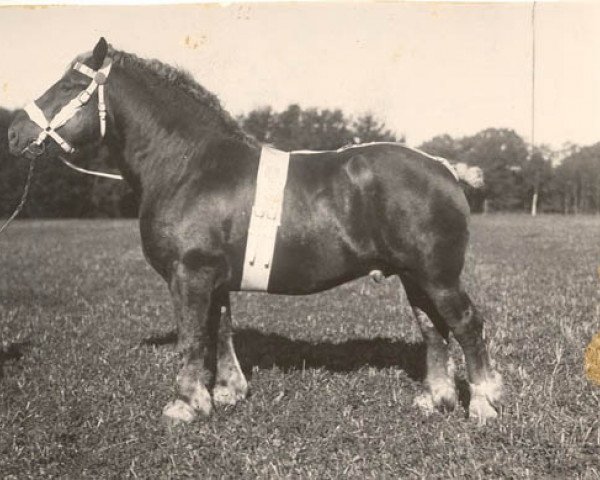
(300, 240)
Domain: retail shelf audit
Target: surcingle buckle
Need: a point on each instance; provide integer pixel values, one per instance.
(377, 276)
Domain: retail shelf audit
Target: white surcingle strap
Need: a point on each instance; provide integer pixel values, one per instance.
(265, 219)
(67, 112)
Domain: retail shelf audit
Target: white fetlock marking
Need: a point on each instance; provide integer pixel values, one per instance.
(490, 388)
(179, 411)
(224, 396)
(424, 402)
(200, 400)
(443, 392)
(481, 410)
(228, 395)
(483, 396)
(232, 393)
(236, 386)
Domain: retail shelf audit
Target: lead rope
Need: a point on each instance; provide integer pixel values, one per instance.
(48, 127)
(28, 184)
(112, 176)
(23, 198)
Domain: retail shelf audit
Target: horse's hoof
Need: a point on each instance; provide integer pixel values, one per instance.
(201, 402)
(230, 395)
(178, 412)
(484, 397)
(491, 388)
(441, 400)
(481, 410)
(443, 395)
(424, 402)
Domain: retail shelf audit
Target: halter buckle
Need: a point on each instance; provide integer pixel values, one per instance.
(84, 97)
(100, 78)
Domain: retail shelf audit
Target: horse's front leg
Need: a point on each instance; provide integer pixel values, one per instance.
(192, 290)
(230, 383)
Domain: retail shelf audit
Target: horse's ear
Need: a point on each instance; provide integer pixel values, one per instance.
(99, 53)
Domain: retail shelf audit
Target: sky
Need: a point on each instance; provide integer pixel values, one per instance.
(423, 68)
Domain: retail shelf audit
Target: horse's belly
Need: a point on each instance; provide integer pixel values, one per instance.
(316, 265)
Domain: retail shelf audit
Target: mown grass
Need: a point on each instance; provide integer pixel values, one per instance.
(87, 362)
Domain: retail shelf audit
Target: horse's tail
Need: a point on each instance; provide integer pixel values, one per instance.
(472, 176)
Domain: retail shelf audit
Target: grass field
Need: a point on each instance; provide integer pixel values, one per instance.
(88, 361)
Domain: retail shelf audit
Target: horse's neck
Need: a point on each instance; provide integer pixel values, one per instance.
(145, 142)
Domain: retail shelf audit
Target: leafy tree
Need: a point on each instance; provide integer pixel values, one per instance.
(12, 171)
(444, 146)
(501, 153)
(259, 123)
(578, 179)
(538, 179)
(367, 128)
(295, 128)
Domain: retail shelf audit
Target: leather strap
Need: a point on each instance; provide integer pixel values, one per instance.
(68, 111)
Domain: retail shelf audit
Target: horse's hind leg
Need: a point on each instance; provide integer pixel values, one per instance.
(466, 324)
(192, 291)
(230, 383)
(441, 390)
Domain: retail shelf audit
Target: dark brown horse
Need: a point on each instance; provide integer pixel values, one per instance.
(345, 213)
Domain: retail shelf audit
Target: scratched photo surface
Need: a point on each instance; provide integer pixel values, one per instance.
(497, 103)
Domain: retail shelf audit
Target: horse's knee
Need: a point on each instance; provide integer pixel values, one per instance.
(468, 322)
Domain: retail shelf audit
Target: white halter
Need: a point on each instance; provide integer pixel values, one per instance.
(67, 112)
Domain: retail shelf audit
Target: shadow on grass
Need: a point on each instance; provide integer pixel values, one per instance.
(161, 339)
(265, 350)
(14, 351)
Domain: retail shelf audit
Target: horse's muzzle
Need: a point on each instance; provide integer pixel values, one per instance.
(22, 136)
(14, 144)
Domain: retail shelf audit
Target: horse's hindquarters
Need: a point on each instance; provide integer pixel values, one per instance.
(373, 208)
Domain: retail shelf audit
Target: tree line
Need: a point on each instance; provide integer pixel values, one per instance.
(518, 178)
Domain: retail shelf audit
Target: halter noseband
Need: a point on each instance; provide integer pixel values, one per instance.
(67, 112)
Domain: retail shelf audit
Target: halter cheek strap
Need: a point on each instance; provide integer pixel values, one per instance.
(67, 112)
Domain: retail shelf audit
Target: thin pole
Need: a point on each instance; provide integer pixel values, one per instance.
(536, 181)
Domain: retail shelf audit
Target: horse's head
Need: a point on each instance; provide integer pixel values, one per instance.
(72, 112)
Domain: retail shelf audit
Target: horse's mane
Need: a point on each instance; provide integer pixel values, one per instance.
(181, 79)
